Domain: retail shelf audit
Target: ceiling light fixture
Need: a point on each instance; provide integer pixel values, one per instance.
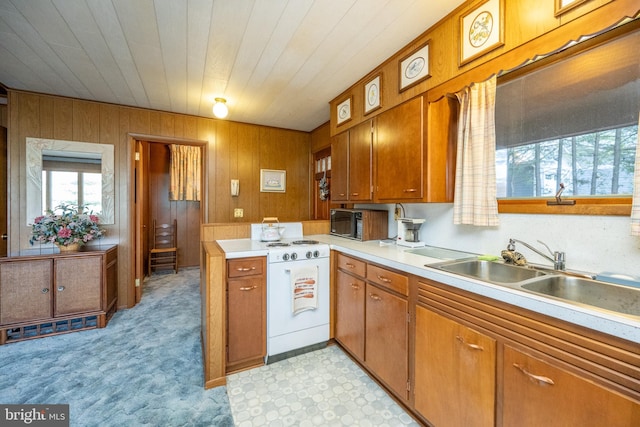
(220, 109)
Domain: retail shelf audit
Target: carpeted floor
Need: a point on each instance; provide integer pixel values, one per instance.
(143, 369)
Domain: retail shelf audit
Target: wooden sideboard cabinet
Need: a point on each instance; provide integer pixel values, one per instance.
(58, 293)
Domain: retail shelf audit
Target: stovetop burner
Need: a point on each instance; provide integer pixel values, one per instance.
(277, 244)
(305, 242)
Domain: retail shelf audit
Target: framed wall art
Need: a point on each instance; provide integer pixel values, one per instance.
(481, 30)
(372, 94)
(343, 111)
(415, 67)
(273, 181)
(563, 6)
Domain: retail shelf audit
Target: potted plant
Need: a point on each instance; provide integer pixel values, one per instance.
(68, 227)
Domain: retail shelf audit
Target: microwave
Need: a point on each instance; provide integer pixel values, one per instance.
(359, 224)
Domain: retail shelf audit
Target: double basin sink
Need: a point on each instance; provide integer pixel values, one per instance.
(570, 288)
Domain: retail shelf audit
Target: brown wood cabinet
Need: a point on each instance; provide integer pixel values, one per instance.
(462, 363)
(503, 366)
(351, 172)
(540, 393)
(399, 153)
(57, 293)
(372, 320)
(246, 312)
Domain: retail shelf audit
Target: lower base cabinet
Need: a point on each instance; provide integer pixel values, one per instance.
(537, 393)
(455, 382)
(246, 313)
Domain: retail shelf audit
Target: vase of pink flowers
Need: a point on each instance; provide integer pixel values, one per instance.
(67, 226)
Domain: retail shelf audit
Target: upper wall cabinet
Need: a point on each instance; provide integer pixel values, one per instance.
(351, 164)
(399, 153)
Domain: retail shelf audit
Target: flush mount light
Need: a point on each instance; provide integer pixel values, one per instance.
(220, 109)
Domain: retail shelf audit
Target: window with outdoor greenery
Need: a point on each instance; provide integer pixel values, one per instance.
(573, 121)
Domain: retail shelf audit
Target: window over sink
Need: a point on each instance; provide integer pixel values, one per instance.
(571, 118)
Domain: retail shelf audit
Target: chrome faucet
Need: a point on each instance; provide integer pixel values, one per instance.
(558, 259)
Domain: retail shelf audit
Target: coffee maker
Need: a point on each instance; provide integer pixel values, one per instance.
(409, 232)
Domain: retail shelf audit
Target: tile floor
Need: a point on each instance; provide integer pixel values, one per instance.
(320, 388)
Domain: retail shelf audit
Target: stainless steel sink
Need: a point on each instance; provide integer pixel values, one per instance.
(489, 271)
(621, 299)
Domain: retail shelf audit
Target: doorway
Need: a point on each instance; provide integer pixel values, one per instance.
(151, 198)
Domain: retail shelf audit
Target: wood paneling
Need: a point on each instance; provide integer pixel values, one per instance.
(233, 148)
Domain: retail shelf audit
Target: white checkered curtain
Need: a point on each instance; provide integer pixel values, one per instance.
(635, 206)
(475, 200)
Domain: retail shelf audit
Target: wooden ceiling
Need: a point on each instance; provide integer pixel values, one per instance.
(277, 62)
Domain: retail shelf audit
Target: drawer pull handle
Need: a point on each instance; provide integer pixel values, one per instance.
(60, 288)
(469, 345)
(350, 265)
(375, 297)
(384, 279)
(248, 288)
(243, 269)
(355, 286)
(539, 379)
(355, 194)
(410, 190)
(45, 290)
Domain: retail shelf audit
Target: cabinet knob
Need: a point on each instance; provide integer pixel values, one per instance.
(375, 297)
(469, 345)
(538, 379)
(4, 236)
(383, 279)
(60, 288)
(45, 290)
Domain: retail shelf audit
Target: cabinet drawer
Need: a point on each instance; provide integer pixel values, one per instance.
(352, 265)
(389, 279)
(245, 267)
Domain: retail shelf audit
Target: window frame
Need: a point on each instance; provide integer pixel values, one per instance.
(614, 205)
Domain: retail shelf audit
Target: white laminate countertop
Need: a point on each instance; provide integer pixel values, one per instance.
(397, 257)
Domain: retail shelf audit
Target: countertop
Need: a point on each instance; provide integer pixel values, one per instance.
(397, 257)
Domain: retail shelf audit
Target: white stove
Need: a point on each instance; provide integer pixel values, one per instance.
(297, 290)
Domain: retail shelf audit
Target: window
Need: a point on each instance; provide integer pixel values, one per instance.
(71, 181)
(572, 121)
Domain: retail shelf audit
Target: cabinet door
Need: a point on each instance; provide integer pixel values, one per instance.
(350, 313)
(77, 285)
(25, 291)
(246, 319)
(399, 152)
(454, 368)
(339, 190)
(536, 393)
(386, 339)
(360, 146)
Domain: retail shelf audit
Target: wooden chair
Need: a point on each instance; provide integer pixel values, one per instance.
(164, 247)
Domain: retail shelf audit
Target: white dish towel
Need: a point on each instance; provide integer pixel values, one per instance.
(304, 289)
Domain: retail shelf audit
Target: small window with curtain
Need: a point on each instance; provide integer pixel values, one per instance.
(574, 121)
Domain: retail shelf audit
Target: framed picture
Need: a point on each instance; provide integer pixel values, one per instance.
(372, 94)
(343, 111)
(273, 181)
(481, 30)
(415, 67)
(563, 6)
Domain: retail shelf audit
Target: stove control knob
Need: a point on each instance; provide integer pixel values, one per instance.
(285, 257)
(294, 256)
(309, 254)
(316, 254)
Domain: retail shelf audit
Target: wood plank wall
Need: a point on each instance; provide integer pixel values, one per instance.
(235, 150)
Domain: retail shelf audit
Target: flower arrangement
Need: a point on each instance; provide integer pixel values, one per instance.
(67, 225)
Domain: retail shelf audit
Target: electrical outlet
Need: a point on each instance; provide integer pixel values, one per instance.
(238, 213)
(396, 214)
